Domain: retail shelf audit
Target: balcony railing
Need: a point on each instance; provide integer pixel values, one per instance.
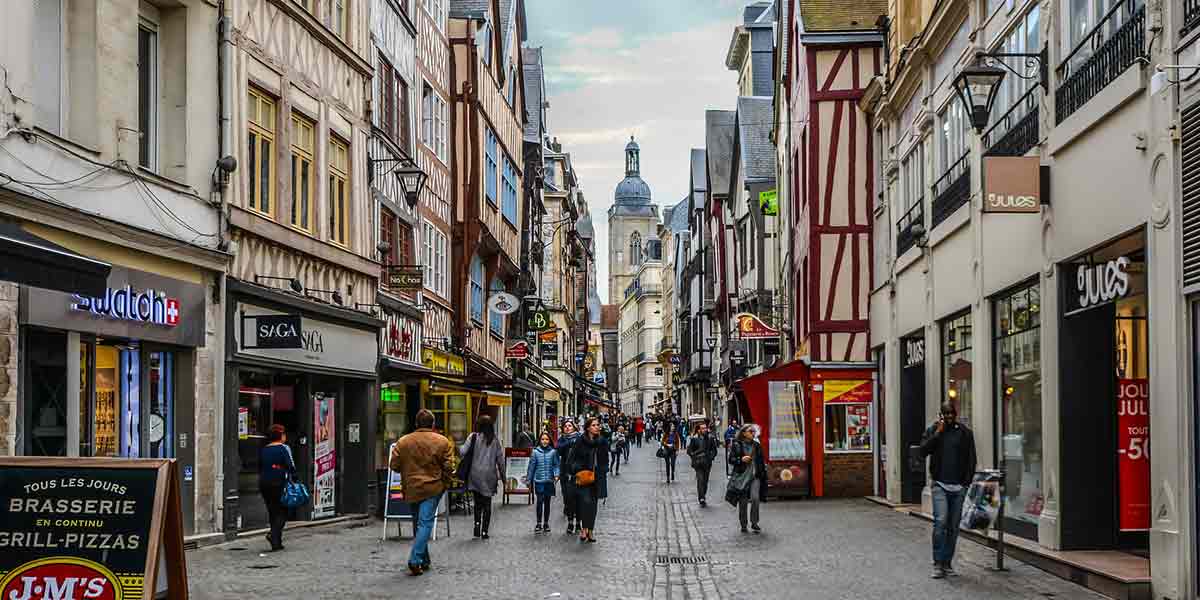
(1115, 44)
(905, 236)
(1191, 16)
(1016, 131)
(952, 189)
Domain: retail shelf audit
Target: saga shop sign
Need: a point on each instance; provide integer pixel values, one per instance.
(91, 529)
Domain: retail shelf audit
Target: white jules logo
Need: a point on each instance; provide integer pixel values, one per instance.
(124, 304)
(1011, 202)
(1102, 283)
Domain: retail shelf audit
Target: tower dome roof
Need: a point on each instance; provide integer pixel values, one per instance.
(632, 190)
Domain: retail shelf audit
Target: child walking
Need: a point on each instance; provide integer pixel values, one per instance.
(543, 473)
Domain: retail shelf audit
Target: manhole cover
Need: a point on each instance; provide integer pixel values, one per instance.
(667, 559)
(264, 566)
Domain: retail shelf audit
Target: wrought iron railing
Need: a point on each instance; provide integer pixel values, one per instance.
(1113, 45)
(952, 189)
(1016, 131)
(906, 237)
(1191, 16)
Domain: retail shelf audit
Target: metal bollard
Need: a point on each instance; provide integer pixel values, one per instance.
(999, 524)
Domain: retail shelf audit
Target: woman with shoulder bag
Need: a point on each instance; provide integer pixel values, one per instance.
(588, 460)
(275, 468)
(748, 484)
(669, 447)
(566, 442)
(486, 458)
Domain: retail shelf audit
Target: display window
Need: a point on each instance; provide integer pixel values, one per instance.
(847, 427)
(1017, 345)
(393, 407)
(956, 364)
(452, 413)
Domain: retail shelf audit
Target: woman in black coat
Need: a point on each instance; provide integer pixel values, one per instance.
(589, 453)
(746, 453)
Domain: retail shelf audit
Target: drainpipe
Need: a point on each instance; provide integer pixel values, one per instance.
(228, 499)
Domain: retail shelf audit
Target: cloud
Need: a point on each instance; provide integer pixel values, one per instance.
(653, 80)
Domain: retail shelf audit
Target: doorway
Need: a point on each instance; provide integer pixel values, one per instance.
(264, 399)
(912, 417)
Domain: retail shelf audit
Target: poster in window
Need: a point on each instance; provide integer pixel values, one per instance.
(1133, 453)
(324, 455)
(787, 421)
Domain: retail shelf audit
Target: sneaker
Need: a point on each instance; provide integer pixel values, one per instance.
(415, 570)
(938, 573)
(703, 503)
(546, 528)
(949, 570)
(427, 566)
(756, 528)
(744, 530)
(537, 528)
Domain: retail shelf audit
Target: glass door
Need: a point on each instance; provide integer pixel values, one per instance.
(160, 405)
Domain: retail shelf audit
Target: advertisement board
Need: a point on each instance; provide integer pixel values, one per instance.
(516, 466)
(1133, 453)
(324, 455)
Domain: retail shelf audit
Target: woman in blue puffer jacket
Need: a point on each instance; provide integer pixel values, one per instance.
(542, 475)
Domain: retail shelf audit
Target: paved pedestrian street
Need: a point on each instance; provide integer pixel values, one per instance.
(654, 542)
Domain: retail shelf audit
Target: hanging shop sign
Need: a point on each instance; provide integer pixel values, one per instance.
(503, 303)
(272, 331)
(1098, 284)
(549, 351)
(137, 305)
(405, 278)
(768, 201)
(1013, 184)
(322, 344)
(914, 351)
(499, 398)
(548, 336)
(1133, 453)
(442, 362)
(539, 320)
(599, 377)
(90, 528)
(675, 359)
(519, 350)
(750, 327)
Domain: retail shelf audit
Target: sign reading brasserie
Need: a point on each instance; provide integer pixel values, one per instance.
(750, 327)
(89, 529)
(1012, 184)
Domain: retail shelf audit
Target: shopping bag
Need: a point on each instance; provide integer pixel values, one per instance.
(982, 502)
(295, 494)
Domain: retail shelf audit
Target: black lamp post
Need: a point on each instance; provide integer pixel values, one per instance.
(408, 174)
(976, 86)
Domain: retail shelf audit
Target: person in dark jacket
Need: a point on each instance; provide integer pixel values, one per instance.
(275, 468)
(486, 471)
(950, 447)
(670, 443)
(543, 472)
(566, 441)
(746, 453)
(702, 450)
(589, 453)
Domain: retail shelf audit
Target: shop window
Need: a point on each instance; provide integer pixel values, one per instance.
(1017, 347)
(46, 413)
(787, 421)
(956, 365)
(847, 427)
(160, 422)
(452, 414)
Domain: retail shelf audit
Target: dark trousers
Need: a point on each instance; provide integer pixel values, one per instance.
(585, 499)
(614, 465)
(277, 513)
(543, 508)
(702, 481)
(570, 502)
(625, 450)
(638, 437)
(483, 512)
(670, 460)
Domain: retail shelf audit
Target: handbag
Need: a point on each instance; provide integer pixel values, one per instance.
(295, 494)
(661, 452)
(464, 466)
(586, 477)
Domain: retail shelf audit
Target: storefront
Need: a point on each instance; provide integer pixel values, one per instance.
(912, 416)
(445, 392)
(1104, 399)
(322, 392)
(400, 376)
(113, 375)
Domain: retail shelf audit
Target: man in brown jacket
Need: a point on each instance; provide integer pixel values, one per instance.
(427, 462)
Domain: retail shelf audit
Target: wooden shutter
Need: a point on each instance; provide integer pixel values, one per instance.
(1190, 179)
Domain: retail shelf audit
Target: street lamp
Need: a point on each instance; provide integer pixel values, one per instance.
(408, 174)
(976, 86)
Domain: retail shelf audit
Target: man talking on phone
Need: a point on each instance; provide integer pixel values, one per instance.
(950, 447)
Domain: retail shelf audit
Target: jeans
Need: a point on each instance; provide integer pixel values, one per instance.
(625, 448)
(426, 511)
(543, 508)
(670, 460)
(277, 513)
(752, 501)
(702, 481)
(947, 511)
(614, 465)
(483, 512)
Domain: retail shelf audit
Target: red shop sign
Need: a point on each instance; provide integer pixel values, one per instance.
(1133, 453)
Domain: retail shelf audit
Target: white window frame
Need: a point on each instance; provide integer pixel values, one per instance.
(437, 11)
(434, 120)
(435, 258)
(150, 137)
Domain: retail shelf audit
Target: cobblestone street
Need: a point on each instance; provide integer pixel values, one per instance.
(654, 542)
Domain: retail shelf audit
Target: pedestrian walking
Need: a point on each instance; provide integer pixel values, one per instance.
(730, 433)
(427, 462)
(587, 462)
(543, 474)
(950, 446)
(566, 441)
(486, 456)
(639, 430)
(749, 480)
(669, 447)
(275, 468)
(617, 447)
(702, 450)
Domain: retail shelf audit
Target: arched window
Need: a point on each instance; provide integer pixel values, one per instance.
(496, 320)
(477, 289)
(635, 249)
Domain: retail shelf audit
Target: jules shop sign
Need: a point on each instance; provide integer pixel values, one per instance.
(1091, 285)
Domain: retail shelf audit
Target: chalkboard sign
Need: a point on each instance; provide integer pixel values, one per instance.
(91, 528)
(396, 507)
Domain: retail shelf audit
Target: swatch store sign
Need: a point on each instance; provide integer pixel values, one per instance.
(137, 305)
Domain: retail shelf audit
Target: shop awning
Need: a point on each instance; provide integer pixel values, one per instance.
(30, 259)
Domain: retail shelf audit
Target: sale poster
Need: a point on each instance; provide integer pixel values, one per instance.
(1133, 453)
(324, 455)
(787, 421)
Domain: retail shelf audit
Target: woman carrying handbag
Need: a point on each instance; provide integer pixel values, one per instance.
(588, 459)
(483, 468)
(275, 469)
(748, 484)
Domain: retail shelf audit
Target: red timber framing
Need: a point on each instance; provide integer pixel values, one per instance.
(833, 228)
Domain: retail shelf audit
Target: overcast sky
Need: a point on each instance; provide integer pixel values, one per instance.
(648, 68)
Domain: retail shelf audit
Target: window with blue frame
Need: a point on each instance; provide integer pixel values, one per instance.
(509, 207)
(490, 164)
(477, 290)
(495, 319)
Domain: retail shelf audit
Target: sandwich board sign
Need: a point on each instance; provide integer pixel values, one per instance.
(96, 528)
(396, 508)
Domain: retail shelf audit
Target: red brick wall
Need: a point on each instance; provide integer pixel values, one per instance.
(848, 475)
